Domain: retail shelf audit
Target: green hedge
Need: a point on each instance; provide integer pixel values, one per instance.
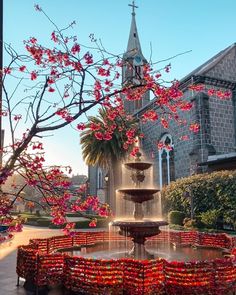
(214, 191)
(176, 217)
(43, 222)
(82, 224)
(31, 219)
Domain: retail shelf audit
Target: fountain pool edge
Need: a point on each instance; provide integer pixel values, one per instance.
(38, 263)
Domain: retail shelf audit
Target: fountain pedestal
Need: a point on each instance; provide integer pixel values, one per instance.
(139, 231)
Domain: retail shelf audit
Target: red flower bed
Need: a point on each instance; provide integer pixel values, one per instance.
(39, 263)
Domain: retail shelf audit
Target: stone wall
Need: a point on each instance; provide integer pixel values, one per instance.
(225, 69)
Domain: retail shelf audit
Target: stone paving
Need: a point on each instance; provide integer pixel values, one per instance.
(8, 277)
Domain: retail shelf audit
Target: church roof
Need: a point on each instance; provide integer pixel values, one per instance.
(133, 47)
(209, 64)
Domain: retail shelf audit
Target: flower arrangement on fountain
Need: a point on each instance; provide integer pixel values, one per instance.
(158, 276)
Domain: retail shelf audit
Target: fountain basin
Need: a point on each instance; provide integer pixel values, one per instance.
(138, 195)
(39, 262)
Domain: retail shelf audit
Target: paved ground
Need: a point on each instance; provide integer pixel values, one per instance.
(8, 275)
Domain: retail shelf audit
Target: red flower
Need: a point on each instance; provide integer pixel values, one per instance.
(51, 81)
(164, 123)
(211, 92)
(198, 87)
(97, 85)
(22, 68)
(7, 70)
(150, 115)
(194, 127)
(77, 66)
(107, 136)
(184, 137)
(81, 126)
(54, 37)
(167, 68)
(54, 72)
(88, 58)
(33, 76)
(98, 135)
(185, 106)
(17, 117)
(95, 127)
(106, 62)
(33, 40)
(50, 89)
(134, 151)
(75, 49)
(160, 145)
(103, 72)
(93, 223)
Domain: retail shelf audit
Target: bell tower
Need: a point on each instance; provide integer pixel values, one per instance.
(133, 62)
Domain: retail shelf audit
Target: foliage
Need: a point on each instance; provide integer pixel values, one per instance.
(210, 218)
(176, 217)
(189, 223)
(193, 223)
(43, 222)
(214, 191)
(104, 147)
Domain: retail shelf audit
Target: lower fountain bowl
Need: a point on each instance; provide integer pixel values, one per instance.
(139, 229)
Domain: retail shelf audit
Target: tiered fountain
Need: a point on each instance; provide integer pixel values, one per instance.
(101, 270)
(139, 229)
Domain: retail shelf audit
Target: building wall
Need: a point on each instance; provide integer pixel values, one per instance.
(154, 131)
(226, 68)
(216, 118)
(222, 125)
(92, 176)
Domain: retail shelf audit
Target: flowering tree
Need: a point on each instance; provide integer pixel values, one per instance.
(62, 83)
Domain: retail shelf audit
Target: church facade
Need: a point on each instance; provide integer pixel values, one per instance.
(208, 149)
(216, 139)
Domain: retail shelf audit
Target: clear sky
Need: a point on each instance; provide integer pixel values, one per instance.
(166, 28)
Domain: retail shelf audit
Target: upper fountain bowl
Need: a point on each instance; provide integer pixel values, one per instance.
(138, 195)
(141, 166)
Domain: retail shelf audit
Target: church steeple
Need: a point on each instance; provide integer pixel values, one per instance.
(133, 62)
(134, 47)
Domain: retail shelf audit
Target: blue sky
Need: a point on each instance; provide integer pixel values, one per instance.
(166, 28)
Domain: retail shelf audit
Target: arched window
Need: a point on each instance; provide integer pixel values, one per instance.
(100, 180)
(166, 161)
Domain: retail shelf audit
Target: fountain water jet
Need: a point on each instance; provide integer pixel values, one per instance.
(139, 229)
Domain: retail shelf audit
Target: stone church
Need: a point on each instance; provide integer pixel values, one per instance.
(212, 148)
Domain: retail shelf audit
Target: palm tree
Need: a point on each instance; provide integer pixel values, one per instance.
(107, 154)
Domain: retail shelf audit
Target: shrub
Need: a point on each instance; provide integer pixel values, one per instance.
(85, 223)
(210, 218)
(31, 219)
(82, 224)
(43, 222)
(210, 191)
(198, 220)
(176, 217)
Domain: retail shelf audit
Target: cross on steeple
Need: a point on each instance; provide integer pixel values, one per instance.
(133, 7)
